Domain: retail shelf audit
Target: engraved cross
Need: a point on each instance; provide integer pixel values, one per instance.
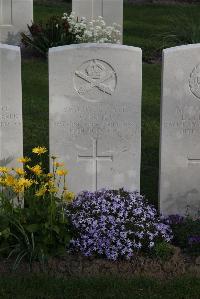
(95, 158)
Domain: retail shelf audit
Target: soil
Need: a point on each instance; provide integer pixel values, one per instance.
(79, 266)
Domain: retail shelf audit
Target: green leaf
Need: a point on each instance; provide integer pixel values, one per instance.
(56, 229)
(32, 228)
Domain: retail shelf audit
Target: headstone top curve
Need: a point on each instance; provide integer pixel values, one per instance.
(180, 48)
(94, 46)
(9, 47)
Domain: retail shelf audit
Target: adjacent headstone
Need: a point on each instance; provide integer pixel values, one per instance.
(14, 17)
(11, 132)
(180, 131)
(110, 10)
(95, 114)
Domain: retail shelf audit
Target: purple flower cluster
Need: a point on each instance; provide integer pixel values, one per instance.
(115, 224)
(194, 240)
(174, 219)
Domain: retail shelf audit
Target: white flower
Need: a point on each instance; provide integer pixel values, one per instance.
(92, 31)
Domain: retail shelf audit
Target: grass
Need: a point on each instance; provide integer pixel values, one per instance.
(43, 287)
(43, 11)
(150, 131)
(143, 26)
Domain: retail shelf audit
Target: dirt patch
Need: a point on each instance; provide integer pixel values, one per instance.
(79, 266)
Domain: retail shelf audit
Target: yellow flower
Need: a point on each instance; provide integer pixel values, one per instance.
(18, 188)
(4, 169)
(61, 172)
(50, 175)
(39, 150)
(50, 185)
(2, 181)
(57, 164)
(53, 189)
(26, 183)
(68, 196)
(41, 191)
(19, 185)
(20, 171)
(37, 170)
(10, 180)
(24, 160)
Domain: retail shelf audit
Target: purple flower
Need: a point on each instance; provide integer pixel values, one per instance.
(194, 240)
(115, 224)
(174, 219)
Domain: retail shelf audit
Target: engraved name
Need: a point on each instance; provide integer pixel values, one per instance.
(98, 120)
(185, 121)
(8, 118)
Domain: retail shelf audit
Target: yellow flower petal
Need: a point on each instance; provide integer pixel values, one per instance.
(62, 172)
(10, 181)
(20, 171)
(37, 170)
(41, 191)
(39, 150)
(4, 169)
(23, 160)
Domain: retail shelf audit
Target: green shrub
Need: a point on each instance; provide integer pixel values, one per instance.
(163, 251)
(186, 233)
(55, 32)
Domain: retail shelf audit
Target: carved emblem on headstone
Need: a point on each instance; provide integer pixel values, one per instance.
(194, 81)
(94, 80)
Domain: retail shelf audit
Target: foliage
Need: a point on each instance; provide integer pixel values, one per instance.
(32, 203)
(186, 232)
(68, 30)
(115, 224)
(163, 251)
(55, 32)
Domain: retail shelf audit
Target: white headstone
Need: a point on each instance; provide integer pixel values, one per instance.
(180, 131)
(11, 132)
(110, 10)
(14, 17)
(95, 114)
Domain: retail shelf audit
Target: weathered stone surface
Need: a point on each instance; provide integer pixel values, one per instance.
(95, 114)
(14, 17)
(11, 132)
(110, 10)
(180, 131)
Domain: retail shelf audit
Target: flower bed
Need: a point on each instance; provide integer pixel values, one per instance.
(68, 30)
(115, 224)
(40, 220)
